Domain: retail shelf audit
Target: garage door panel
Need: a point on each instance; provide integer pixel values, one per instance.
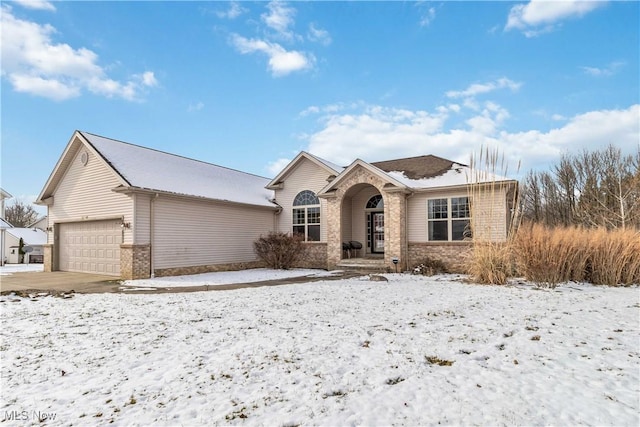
(90, 247)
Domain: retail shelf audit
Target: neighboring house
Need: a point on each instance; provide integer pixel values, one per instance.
(3, 224)
(32, 237)
(129, 211)
(41, 223)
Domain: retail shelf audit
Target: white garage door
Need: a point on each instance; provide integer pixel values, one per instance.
(90, 247)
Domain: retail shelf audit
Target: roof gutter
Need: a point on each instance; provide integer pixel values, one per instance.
(139, 190)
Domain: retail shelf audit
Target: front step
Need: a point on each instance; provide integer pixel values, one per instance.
(364, 264)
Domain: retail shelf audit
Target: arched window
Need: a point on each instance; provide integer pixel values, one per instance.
(376, 202)
(306, 216)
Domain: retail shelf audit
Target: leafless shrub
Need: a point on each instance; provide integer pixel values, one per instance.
(429, 267)
(279, 250)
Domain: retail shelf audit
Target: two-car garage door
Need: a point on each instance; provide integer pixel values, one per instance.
(90, 247)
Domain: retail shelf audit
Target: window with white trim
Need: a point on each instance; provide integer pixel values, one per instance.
(306, 216)
(449, 219)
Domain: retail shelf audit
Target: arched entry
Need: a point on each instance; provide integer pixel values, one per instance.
(375, 224)
(362, 219)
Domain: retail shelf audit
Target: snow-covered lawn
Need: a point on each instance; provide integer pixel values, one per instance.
(414, 351)
(9, 269)
(224, 278)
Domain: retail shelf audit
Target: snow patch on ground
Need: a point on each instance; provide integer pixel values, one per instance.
(411, 351)
(224, 278)
(9, 269)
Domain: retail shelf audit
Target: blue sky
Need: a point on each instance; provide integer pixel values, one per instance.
(248, 85)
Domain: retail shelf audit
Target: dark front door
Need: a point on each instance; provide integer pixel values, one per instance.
(376, 232)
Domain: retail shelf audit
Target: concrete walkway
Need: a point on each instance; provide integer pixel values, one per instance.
(60, 282)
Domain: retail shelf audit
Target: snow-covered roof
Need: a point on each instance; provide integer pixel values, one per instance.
(30, 236)
(456, 175)
(327, 163)
(150, 169)
(4, 224)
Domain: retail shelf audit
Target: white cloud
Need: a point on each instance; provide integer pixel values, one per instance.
(281, 61)
(34, 64)
(540, 16)
(148, 78)
(235, 10)
(49, 88)
(428, 17)
(482, 88)
(330, 108)
(279, 18)
(379, 133)
(195, 107)
(319, 35)
(36, 4)
(277, 166)
(609, 70)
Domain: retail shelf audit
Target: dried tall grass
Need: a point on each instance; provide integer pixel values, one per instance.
(491, 261)
(614, 257)
(553, 255)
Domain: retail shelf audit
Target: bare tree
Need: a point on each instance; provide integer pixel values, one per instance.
(592, 189)
(20, 214)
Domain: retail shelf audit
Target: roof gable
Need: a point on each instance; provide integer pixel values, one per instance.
(141, 168)
(390, 181)
(75, 144)
(330, 168)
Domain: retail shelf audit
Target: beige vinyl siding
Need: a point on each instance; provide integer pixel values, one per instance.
(489, 211)
(193, 233)
(306, 175)
(84, 194)
(490, 215)
(417, 217)
(142, 215)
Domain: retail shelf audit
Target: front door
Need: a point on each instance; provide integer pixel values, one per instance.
(376, 232)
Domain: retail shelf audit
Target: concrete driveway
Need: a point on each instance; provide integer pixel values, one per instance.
(60, 281)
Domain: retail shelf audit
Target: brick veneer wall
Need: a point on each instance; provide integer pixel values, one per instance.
(135, 261)
(199, 269)
(315, 256)
(455, 255)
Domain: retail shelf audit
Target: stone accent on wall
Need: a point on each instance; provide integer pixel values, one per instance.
(395, 227)
(455, 255)
(48, 257)
(315, 256)
(395, 205)
(135, 261)
(199, 269)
